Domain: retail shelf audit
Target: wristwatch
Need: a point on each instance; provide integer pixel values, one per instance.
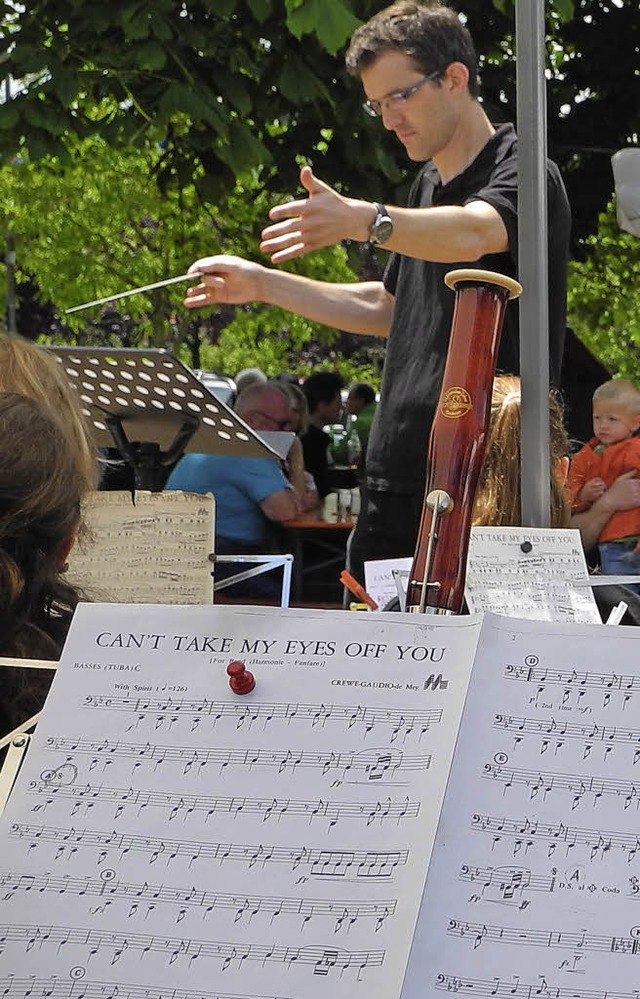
(382, 227)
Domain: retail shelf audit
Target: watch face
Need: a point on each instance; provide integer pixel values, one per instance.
(382, 230)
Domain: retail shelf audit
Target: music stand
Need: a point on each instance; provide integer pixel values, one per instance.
(153, 408)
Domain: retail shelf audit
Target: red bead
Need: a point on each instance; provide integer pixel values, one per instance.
(241, 680)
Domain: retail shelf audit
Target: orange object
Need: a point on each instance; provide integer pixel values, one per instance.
(358, 591)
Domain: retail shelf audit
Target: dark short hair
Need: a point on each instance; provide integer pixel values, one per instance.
(430, 34)
(364, 391)
(321, 386)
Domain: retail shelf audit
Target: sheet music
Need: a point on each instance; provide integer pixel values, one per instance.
(170, 838)
(534, 886)
(154, 551)
(379, 580)
(533, 573)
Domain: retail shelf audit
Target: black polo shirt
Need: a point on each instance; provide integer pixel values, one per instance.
(421, 323)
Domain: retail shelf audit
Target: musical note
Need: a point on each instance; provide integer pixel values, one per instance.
(183, 806)
(573, 678)
(342, 914)
(532, 831)
(188, 950)
(480, 933)
(515, 989)
(403, 724)
(324, 864)
(15, 987)
(544, 783)
(375, 765)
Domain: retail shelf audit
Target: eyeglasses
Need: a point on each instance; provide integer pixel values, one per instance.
(280, 424)
(375, 108)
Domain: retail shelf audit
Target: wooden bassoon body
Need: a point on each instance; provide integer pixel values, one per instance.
(457, 442)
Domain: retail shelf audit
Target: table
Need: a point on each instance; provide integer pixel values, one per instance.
(319, 553)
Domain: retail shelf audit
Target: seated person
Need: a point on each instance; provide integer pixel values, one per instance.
(613, 450)
(322, 390)
(498, 503)
(361, 404)
(301, 480)
(249, 492)
(41, 491)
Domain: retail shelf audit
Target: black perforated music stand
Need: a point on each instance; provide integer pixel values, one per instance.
(153, 409)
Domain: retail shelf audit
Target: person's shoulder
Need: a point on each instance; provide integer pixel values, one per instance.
(630, 446)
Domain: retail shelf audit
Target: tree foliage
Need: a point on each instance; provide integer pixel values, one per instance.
(604, 304)
(141, 134)
(99, 224)
(258, 85)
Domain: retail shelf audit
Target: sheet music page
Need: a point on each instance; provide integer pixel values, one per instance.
(154, 551)
(169, 838)
(534, 886)
(379, 581)
(531, 573)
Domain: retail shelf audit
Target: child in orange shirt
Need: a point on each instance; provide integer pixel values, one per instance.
(613, 451)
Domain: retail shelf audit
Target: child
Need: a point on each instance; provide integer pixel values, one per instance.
(613, 451)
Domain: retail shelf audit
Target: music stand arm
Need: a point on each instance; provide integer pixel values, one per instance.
(150, 464)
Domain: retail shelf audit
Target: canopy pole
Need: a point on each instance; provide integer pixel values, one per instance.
(533, 262)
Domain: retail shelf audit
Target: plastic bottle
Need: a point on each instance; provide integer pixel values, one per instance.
(354, 447)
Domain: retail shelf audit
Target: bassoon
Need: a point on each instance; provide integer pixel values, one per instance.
(457, 442)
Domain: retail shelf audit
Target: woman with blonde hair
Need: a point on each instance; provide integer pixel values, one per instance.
(33, 371)
(498, 498)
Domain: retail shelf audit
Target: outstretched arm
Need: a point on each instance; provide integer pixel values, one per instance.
(445, 234)
(361, 307)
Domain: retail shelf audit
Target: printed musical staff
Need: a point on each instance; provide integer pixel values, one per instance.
(183, 805)
(573, 678)
(577, 785)
(319, 960)
(591, 732)
(529, 832)
(374, 765)
(168, 711)
(325, 864)
(505, 883)
(28, 988)
(478, 934)
(342, 914)
(603, 741)
(514, 988)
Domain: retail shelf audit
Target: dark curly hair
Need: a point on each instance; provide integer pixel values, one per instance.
(431, 34)
(41, 490)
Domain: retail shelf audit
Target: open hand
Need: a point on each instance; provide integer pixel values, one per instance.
(323, 219)
(624, 493)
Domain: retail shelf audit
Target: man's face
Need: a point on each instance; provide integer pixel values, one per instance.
(426, 121)
(271, 412)
(353, 405)
(331, 410)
